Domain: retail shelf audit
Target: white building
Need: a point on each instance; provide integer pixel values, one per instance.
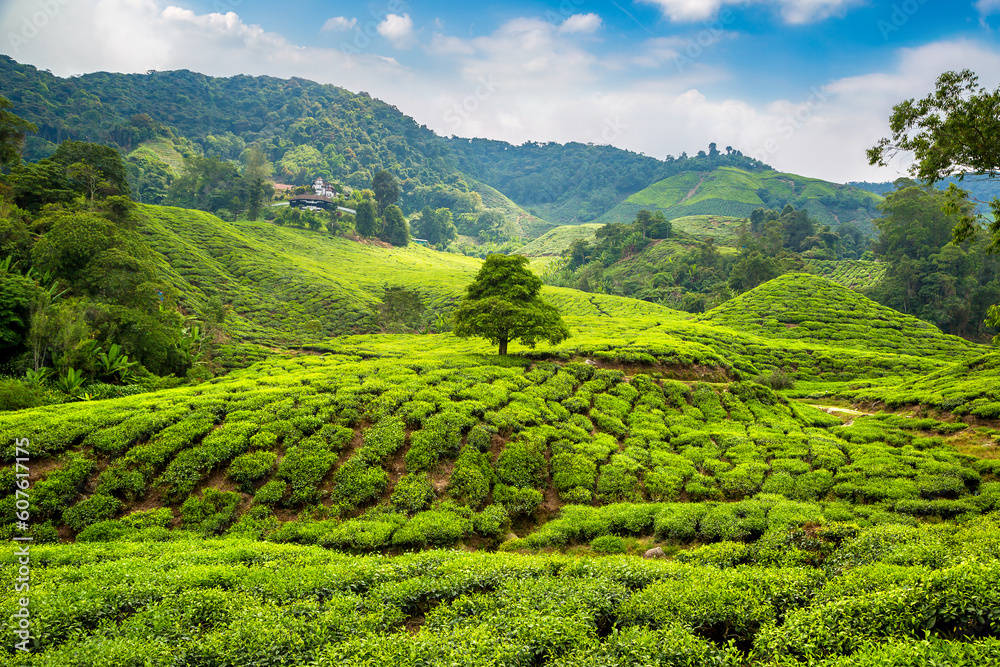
(323, 189)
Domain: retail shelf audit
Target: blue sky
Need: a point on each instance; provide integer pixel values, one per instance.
(805, 85)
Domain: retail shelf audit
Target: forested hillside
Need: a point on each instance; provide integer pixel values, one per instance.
(307, 130)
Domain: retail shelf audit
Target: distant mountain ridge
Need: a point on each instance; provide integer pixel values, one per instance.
(309, 129)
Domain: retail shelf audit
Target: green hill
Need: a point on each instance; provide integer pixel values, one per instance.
(556, 241)
(729, 191)
(805, 307)
(858, 275)
(723, 229)
(276, 281)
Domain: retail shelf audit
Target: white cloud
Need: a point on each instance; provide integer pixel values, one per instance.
(792, 11)
(581, 23)
(338, 23)
(398, 30)
(987, 7)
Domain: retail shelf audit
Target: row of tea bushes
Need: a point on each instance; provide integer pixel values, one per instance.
(883, 595)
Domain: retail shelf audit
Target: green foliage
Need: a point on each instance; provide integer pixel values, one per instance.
(211, 514)
(250, 467)
(502, 305)
(517, 500)
(608, 544)
(91, 510)
(412, 493)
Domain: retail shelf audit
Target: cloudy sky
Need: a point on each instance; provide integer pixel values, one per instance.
(805, 85)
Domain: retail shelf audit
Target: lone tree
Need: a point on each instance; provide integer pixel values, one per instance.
(502, 305)
(396, 231)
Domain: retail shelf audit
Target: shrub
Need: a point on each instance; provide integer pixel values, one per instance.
(573, 470)
(471, 477)
(721, 554)
(517, 501)
(248, 468)
(492, 521)
(96, 508)
(105, 531)
(521, 464)
(413, 492)
(15, 395)
(212, 513)
(578, 495)
(271, 493)
(617, 484)
(608, 544)
(679, 521)
(304, 468)
(150, 518)
(433, 528)
(356, 483)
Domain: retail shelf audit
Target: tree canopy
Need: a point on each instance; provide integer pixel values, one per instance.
(386, 190)
(954, 131)
(502, 305)
(12, 132)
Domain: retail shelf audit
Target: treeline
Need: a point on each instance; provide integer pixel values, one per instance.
(951, 285)
(83, 311)
(305, 129)
(646, 260)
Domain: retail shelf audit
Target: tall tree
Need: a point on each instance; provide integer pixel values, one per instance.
(365, 221)
(386, 190)
(953, 131)
(503, 304)
(104, 162)
(395, 230)
(256, 173)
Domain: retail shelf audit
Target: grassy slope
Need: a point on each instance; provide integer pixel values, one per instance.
(167, 152)
(971, 387)
(529, 226)
(728, 191)
(277, 279)
(858, 275)
(724, 229)
(809, 308)
(555, 241)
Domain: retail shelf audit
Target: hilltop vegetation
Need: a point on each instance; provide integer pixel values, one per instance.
(733, 191)
(805, 307)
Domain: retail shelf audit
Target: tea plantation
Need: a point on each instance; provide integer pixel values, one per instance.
(415, 499)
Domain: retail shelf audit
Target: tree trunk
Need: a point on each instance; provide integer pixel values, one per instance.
(503, 346)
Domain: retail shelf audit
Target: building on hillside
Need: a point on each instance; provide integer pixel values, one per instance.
(423, 242)
(323, 189)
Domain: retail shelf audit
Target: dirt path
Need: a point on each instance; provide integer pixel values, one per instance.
(691, 192)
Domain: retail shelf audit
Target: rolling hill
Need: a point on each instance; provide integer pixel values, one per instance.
(729, 191)
(805, 307)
